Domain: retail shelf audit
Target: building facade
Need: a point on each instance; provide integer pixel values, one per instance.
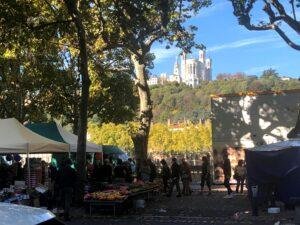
(247, 121)
(243, 121)
(190, 71)
(193, 71)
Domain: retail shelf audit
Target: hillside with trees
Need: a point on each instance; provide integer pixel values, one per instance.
(179, 102)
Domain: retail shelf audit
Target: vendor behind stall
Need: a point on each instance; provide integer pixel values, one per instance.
(103, 173)
(120, 172)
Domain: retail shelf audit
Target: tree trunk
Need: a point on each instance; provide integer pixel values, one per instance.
(83, 105)
(140, 139)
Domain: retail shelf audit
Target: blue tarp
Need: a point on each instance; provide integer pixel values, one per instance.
(279, 168)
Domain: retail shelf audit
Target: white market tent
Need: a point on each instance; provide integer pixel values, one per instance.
(71, 139)
(15, 138)
(56, 132)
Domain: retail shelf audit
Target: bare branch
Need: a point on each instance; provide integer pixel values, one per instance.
(294, 24)
(287, 39)
(242, 12)
(293, 9)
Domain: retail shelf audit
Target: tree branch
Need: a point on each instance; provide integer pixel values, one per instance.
(286, 38)
(44, 25)
(294, 24)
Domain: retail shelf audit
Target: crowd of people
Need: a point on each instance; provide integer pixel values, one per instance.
(63, 178)
(172, 175)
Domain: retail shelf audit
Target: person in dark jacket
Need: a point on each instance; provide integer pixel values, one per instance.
(153, 172)
(120, 171)
(205, 176)
(67, 180)
(175, 177)
(227, 172)
(106, 172)
(165, 174)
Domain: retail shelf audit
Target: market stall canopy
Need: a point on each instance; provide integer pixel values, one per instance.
(278, 146)
(112, 150)
(276, 165)
(15, 138)
(115, 151)
(56, 132)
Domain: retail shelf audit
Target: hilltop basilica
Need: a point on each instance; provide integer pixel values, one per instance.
(189, 71)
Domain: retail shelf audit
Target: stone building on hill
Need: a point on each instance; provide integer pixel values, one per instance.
(190, 71)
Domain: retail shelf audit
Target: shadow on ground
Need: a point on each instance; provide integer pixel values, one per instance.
(194, 209)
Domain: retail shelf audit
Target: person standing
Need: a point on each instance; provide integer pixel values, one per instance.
(240, 175)
(186, 177)
(106, 171)
(175, 177)
(120, 172)
(132, 165)
(166, 175)
(153, 172)
(206, 175)
(227, 173)
(67, 180)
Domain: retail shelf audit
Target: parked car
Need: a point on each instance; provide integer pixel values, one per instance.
(25, 215)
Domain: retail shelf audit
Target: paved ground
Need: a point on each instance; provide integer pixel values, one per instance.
(189, 210)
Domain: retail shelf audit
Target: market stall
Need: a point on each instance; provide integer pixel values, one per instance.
(57, 133)
(121, 196)
(275, 168)
(114, 152)
(15, 138)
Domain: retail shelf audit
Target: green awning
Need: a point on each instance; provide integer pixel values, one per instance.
(48, 130)
(56, 132)
(111, 149)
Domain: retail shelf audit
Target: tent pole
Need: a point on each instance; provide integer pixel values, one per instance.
(28, 166)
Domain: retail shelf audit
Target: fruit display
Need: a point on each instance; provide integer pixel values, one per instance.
(109, 195)
(119, 192)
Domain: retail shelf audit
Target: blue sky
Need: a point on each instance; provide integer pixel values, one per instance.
(232, 47)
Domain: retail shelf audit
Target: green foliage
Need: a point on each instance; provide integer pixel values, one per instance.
(111, 134)
(182, 138)
(39, 66)
(179, 102)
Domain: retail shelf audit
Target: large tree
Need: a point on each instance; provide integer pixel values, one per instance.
(279, 14)
(141, 23)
